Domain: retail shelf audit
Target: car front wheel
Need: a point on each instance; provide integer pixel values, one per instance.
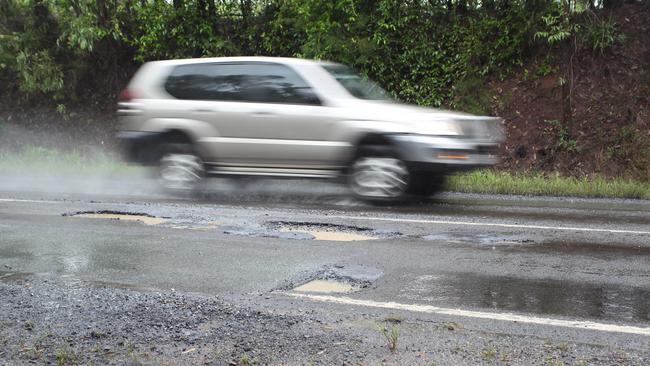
(379, 177)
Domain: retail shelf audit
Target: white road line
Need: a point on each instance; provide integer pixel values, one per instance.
(27, 201)
(509, 317)
(443, 222)
(440, 222)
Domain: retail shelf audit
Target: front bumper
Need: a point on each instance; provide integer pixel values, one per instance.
(446, 154)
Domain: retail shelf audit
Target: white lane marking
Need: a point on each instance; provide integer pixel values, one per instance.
(27, 201)
(442, 222)
(509, 317)
(564, 228)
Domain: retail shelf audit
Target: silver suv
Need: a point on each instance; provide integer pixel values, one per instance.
(285, 117)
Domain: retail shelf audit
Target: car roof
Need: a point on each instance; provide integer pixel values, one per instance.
(282, 60)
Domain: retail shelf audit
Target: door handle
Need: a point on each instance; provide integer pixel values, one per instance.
(261, 114)
(202, 110)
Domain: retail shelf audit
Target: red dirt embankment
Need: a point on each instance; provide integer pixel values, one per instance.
(611, 108)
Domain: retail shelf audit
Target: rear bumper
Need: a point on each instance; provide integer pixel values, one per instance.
(139, 147)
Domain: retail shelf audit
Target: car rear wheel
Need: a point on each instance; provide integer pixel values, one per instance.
(180, 169)
(379, 178)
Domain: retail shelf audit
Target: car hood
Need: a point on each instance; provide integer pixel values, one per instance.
(422, 120)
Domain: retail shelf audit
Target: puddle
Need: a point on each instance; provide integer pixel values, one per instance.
(117, 215)
(550, 297)
(325, 287)
(611, 250)
(322, 231)
(332, 235)
(480, 239)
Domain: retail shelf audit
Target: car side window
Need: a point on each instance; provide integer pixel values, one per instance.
(245, 82)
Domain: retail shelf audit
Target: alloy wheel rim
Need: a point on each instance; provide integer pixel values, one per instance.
(379, 177)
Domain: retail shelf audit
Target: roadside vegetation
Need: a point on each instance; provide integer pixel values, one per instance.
(538, 184)
(37, 160)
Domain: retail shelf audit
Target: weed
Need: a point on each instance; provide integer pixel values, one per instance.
(633, 146)
(65, 356)
(551, 361)
(581, 362)
(563, 347)
(36, 158)
(489, 351)
(600, 34)
(29, 325)
(391, 335)
(97, 334)
(564, 140)
(538, 184)
(545, 68)
(394, 319)
(246, 360)
(505, 357)
(33, 353)
(452, 326)
(130, 350)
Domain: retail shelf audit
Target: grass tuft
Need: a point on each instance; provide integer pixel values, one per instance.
(536, 184)
(38, 159)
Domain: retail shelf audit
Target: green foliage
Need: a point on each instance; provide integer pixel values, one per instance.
(600, 34)
(545, 68)
(390, 334)
(422, 52)
(564, 141)
(632, 146)
(490, 181)
(472, 96)
(557, 30)
(38, 72)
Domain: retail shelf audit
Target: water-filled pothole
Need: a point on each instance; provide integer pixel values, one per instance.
(324, 231)
(119, 215)
(326, 287)
(335, 279)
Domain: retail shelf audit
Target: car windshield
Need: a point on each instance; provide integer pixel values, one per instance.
(359, 86)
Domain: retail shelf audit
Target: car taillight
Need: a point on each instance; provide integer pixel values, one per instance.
(126, 95)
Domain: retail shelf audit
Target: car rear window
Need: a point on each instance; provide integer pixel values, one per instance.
(243, 82)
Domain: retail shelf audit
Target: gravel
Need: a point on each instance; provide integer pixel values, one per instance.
(62, 321)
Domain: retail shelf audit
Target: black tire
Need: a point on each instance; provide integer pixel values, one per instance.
(426, 184)
(381, 163)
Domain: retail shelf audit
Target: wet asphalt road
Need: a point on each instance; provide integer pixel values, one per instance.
(475, 257)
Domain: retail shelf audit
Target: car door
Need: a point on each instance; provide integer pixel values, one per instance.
(269, 117)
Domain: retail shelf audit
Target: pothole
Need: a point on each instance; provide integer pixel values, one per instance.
(324, 231)
(119, 215)
(326, 287)
(335, 279)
